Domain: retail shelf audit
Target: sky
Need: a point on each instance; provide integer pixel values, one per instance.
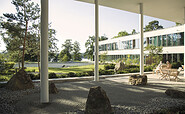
(75, 20)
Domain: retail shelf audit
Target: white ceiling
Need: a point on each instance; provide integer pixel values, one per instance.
(172, 10)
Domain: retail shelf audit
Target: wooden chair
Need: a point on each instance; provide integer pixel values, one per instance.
(164, 74)
(174, 73)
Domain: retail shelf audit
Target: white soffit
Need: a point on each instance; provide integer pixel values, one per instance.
(172, 10)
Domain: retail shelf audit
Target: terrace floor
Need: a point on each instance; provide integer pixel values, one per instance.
(72, 96)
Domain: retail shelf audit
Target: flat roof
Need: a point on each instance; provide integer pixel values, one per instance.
(172, 10)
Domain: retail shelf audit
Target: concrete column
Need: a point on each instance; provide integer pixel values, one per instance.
(184, 40)
(96, 57)
(141, 40)
(44, 90)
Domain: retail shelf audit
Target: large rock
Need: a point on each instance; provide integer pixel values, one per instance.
(119, 66)
(138, 79)
(175, 93)
(20, 81)
(98, 102)
(52, 89)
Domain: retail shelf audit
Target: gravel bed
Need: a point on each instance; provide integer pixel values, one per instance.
(155, 106)
(9, 98)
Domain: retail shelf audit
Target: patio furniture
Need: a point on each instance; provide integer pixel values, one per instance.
(167, 73)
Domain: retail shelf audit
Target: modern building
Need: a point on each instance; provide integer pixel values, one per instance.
(171, 39)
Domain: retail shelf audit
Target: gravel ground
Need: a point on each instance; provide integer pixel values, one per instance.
(72, 97)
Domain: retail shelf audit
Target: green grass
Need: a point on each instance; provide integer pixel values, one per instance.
(74, 69)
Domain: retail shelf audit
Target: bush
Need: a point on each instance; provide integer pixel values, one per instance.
(131, 66)
(109, 66)
(106, 72)
(63, 76)
(122, 72)
(52, 75)
(71, 74)
(3, 78)
(148, 68)
(90, 73)
(34, 77)
(176, 65)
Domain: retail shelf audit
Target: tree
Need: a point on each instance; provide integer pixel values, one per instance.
(89, 44)
(17, 25)
(122, 33)
(153, 25)
(134, 31)
(154, 53)
(67, 48)
(177, 24)
(103, 57)
(76, 54)
(103, 38)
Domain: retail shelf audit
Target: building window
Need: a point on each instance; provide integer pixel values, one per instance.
(150, 41)
(164, 40)
(159, 40)
(145, 42)
(155, 41)
(181, 37)
(169, 40)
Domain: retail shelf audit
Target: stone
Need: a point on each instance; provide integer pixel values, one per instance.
(119, 66)
(20, 81)
(52, 89)
(98, 102)
(175, 93)
(138, 79)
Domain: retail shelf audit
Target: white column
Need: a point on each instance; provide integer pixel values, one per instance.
(184, 41)
(44, 90)
(141, 40)
(96, 54)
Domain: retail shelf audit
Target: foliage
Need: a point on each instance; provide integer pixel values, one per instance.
(65, 58)
(153, 25)
(154, 53)
(106, 72)
(122, 33)
(17, 25)
(109, 66)
(134, 31)
(76, 54)
(103, 57)
(89, 47)
(176, 65)
(67, 48)
(52, 75)
(178, 24)
(103, 38)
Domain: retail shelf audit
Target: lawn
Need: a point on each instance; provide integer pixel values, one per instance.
(75, 69)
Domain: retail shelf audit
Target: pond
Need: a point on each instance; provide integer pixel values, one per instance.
(58, 65)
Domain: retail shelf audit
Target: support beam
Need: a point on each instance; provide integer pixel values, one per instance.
(96, 54)
(184, 41)
(141, 40)
(44, 89)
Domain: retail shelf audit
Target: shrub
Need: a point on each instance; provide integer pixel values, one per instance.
(3, 78)
(52, 75)
(63, 76)
(148, 68)
(90, 73)
(71, 74)
(106, 72)
(34, 77)
(109, 66)
(176, 65)
(122, 72)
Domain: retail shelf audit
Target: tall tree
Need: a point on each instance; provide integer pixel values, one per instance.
(89, 47)
(134, 31)
(153, 25)
(26, 12)
(76, 54)
(122, 33)
(66, 52)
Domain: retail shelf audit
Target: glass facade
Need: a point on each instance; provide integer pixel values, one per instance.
(167, 40)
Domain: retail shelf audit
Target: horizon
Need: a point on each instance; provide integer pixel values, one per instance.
(75, 20)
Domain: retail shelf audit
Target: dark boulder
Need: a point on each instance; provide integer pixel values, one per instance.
(98, 102)
(175, 93)
(20, 81)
